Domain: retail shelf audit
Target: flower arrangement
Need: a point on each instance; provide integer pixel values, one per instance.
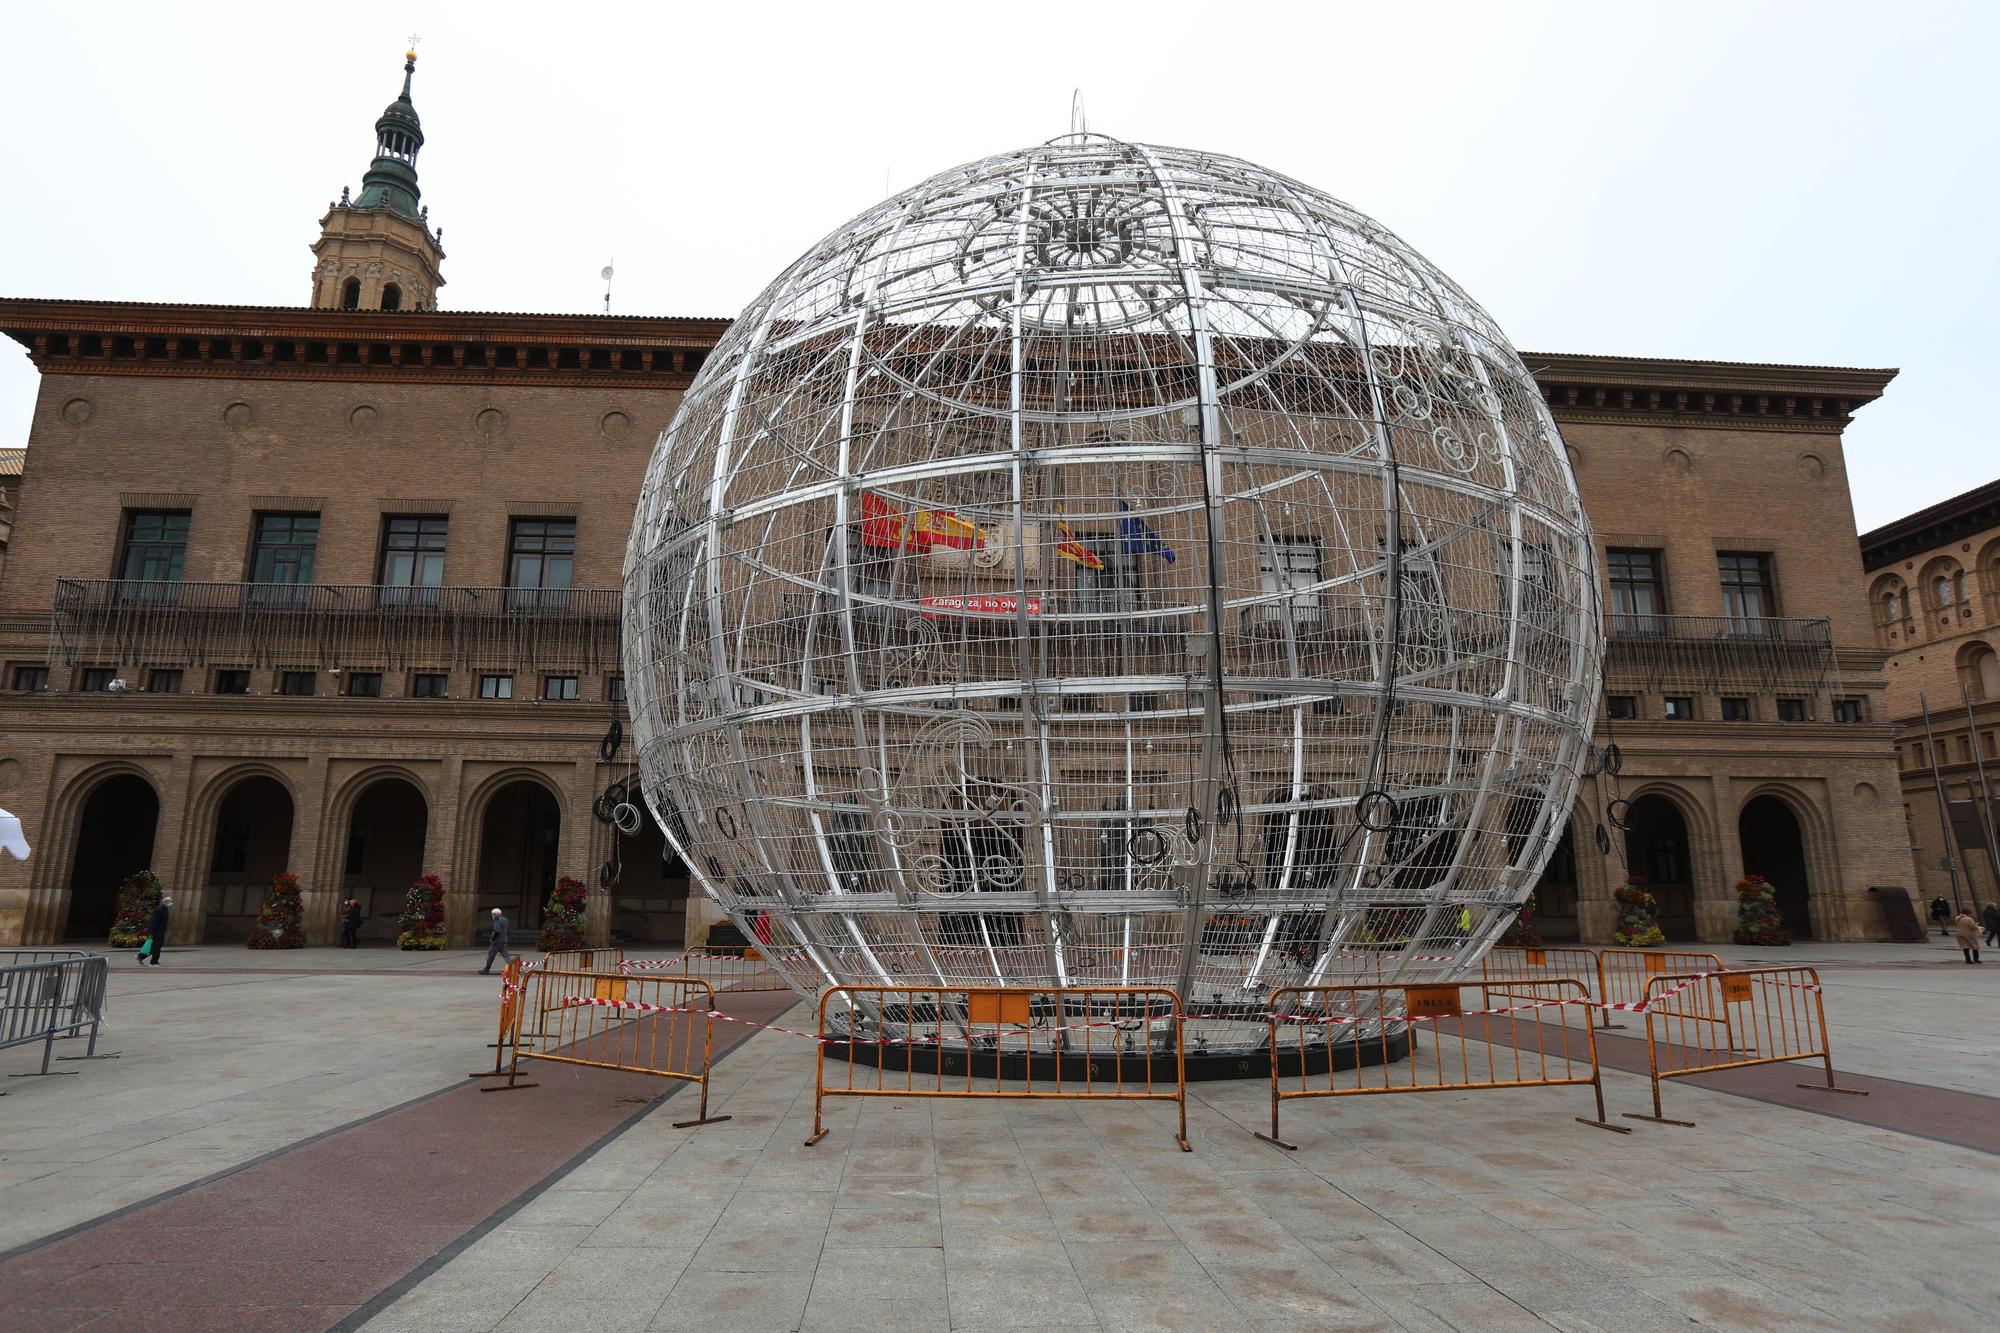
(422, 921)
(1757, 919)
(562, 919)
(1638, 916)
(138, 894)
(1521, 930)
(281, 920)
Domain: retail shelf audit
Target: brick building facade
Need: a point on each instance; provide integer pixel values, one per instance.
(333, 590)
(1934, 590)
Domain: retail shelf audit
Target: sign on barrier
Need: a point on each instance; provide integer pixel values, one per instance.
(510, 1019)
(1546, 963)
(1092, 1043)
(1700, 1022)
(1342, 1041)
(664, 1026)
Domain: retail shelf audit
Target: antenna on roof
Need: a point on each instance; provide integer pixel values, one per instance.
(606, 275)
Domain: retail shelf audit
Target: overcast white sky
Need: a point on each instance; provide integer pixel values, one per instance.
(1807, 183)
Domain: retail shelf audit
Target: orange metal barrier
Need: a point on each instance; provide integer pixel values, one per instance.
(663, 1026)
(1624, 975)
(1108, 1030)
(1551, 963)
(1772, 1014)
(1353, 1031)
(510, 1019)
(740, 967)
(605, 959)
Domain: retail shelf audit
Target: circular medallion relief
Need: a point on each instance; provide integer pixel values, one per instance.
(490, 421)
(615, 425)
(1811, 467)
(76, 411)
(364, 418)
(236, 416)
(1865, 795)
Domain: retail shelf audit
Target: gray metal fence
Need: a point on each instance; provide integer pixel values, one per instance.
(51, 994)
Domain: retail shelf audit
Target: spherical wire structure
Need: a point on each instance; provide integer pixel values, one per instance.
(1107, 564)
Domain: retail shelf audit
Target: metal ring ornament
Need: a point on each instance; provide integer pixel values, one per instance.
(1614, 759)
(1192, 825)
(725, 822)
(1619, 815)
(1376, 811)
(1603, 841)
(1593, 760)
(607, 874)
(614, 740)
(626, 818)
(1154, 842)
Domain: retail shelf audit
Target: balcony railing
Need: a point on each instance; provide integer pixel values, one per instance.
(1710, 654)
(116, 622)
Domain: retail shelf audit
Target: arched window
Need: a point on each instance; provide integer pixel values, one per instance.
(350, 294)
(1958, 587)
(392, 297)
(1941, 587)
(1891, 607)
(1979, 669)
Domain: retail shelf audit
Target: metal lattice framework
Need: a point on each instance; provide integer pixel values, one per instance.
(1113, 564)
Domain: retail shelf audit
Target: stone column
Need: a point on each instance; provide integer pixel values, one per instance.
(1715, 903)
(175, 857)
(445, 857)
(587, 841)
(319, 867)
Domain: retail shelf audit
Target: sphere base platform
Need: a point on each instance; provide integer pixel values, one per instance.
(1076, 1065)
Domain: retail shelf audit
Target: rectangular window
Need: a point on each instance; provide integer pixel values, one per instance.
(1621, 707)
(1680, 708)
(154, 547)
(614, 689)
(1735, 710)
(1638, 590)
(298, 682)
(559, 687)
(496, 687)
(231, 680)
(232, 849)
(412, 557)
(163, 681)
(281, 557)
(1334, 706)
(541, 553)
(1143, 703)
(1289, 570)
(31, 678)
(96, 678)
(1848, 710)
(364, 685)
(1792, 710)
(1747, 590)
(428, 685)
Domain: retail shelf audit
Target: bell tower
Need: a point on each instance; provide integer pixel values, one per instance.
(376, 251)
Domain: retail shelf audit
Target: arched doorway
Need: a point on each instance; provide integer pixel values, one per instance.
(518, 841)
(1657, 846)
(1555, 893)
(252, 842)
(649, 901)
(384, 852)
(113, 839)
(1775, 847)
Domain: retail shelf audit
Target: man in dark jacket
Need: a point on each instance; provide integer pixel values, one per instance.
(1991, 918)
(350, 924)
(498, 948)
(156, 929)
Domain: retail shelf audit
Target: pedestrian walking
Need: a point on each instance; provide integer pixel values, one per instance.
(498, 946)
(1967, 931)
(350, 924)
(1991, 917)
(156, 930)
(1941, 914)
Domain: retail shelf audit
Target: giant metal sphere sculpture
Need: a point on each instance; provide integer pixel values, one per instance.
(1113, 564)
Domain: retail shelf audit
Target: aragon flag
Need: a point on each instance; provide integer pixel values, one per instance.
(885, 527)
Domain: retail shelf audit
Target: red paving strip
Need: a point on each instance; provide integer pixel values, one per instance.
(305, 1237)
(1963, 1119)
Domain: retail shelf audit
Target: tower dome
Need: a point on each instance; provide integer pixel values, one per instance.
(1113, 564)
(391, 181)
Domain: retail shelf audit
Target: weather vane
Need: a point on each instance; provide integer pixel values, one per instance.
(411, 54)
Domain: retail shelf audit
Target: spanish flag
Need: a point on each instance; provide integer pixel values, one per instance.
(885, 527)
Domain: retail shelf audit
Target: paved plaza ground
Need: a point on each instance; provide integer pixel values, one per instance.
(290, 1141)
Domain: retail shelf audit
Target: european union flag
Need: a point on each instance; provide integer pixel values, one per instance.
(1136, 536)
